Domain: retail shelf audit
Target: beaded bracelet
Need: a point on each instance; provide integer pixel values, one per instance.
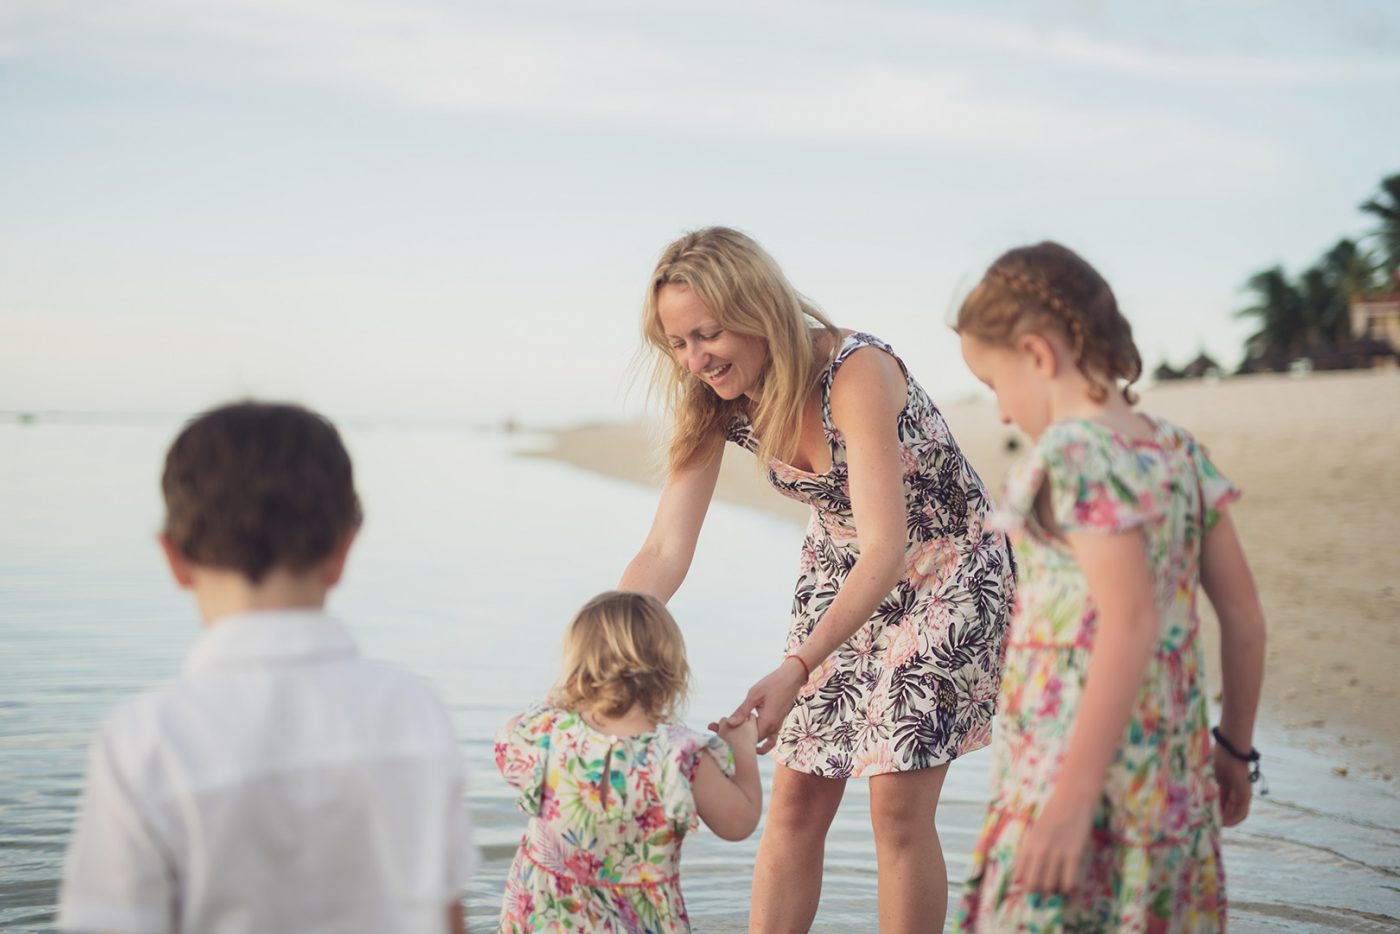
(1252, 757)
(806, 671)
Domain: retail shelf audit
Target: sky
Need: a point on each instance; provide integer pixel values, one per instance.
(397, 208)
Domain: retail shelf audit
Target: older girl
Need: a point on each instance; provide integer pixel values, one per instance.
(1103, 814)
(893, 650)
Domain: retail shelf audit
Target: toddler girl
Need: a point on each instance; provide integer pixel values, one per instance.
(612, 784)
(1104, 806)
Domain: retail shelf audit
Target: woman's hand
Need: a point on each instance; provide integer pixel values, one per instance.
(1051, 853)
(771, 698)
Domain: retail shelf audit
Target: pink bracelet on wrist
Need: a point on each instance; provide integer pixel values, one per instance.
(806, 671)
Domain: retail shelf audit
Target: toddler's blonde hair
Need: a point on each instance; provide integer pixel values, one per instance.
(624, 649)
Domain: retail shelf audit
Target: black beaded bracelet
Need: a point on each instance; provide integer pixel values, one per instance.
(1252, 757)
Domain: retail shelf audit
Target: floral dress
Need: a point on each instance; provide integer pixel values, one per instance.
(916, 685)
(607, 816)
(1153, 861)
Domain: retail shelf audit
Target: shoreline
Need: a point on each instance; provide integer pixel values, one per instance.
(1320, 454)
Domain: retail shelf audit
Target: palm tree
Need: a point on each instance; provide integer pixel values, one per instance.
(1283, 327)
(1326, 290)
(1386, 206)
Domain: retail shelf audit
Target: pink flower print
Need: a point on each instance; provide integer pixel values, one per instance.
(651, 820)
(522, 905)
(584, 866)
(1178, 806)
(875, 759)
(977, 737)
(1050, 700)
(1101, 512)
(910, 462)
(549, 806)
(840, 532)
(933, 562)
(903, 644)
(807, 561)
(819, 677)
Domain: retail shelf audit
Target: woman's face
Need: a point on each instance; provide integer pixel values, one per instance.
(728, 363)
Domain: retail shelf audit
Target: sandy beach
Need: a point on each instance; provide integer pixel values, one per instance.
(1318, 459)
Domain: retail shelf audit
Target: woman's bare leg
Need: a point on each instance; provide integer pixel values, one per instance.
(913, 878)
(787, 877)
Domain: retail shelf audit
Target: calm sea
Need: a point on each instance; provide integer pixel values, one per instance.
(471, 561)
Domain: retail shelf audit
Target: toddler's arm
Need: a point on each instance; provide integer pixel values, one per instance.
(1230, 587)
(731, 807)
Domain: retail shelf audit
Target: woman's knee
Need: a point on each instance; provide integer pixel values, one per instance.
(803, 805)
(903, 807)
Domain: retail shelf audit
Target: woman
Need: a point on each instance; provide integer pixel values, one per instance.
(892, 659)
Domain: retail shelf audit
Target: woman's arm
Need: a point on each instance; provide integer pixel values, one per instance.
(1116, 571)
(661, 565)
(1229, 585)
(866, 398)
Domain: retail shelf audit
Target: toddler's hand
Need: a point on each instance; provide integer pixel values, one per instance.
(743, 736)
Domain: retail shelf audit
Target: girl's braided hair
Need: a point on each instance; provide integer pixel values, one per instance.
(1048, 285)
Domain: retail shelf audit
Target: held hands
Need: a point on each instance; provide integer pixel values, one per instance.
(1232, 775)
(1050, 857)
(771, 699)
(743, 736)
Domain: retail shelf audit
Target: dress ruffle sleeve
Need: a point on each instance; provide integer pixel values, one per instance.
(522, 753)
(678, 758)
(1094, 482)
(1217, 491)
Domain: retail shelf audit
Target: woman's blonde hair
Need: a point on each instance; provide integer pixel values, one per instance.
(624, 649)
(1049, 286)
(748, 294)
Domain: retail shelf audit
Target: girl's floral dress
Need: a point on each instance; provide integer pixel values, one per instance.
(916, 685)
(607, 816)
(1153, 861)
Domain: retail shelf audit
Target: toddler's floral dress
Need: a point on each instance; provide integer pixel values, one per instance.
(607, 817)
(1153, 861)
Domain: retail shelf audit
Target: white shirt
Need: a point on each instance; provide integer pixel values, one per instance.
(283, 783)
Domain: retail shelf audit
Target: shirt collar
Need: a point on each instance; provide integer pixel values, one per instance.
(269, 637)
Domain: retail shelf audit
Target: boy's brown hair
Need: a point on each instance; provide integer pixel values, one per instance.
(1051, 286)
(255, 486)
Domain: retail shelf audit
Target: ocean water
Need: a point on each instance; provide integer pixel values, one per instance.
(471, 561)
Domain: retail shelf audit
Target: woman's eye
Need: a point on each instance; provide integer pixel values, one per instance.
(710, 337)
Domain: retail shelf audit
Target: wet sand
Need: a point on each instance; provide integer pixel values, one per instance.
(1318, 459)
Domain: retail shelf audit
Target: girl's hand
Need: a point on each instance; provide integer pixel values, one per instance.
(1051, 853)
(1232, 775)
(743, 736)
(771, 698)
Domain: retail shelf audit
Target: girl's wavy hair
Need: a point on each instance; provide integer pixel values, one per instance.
(624, 649)
(1049, 286)
(748, 294)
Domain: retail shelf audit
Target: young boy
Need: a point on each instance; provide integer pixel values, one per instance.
(283, 783)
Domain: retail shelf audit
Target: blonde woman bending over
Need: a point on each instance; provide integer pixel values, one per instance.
(892, 660)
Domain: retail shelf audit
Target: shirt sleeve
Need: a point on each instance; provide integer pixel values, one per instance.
(117, 876)
(522, 754)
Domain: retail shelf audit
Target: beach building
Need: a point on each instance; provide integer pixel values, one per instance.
(1377, 316)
